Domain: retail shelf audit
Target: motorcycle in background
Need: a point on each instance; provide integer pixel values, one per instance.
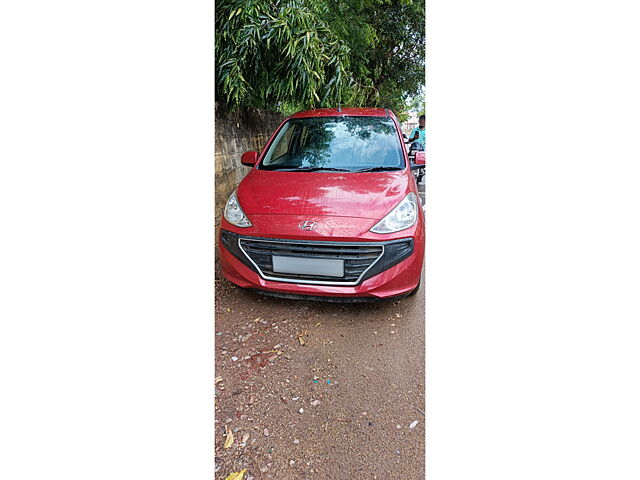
(417, 159)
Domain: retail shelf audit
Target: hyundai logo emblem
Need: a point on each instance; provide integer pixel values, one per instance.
(308, 225)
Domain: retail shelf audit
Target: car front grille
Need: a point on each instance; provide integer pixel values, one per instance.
(362, 260)
(357, 258)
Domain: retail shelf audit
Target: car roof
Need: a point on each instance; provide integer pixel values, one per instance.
(345, 112)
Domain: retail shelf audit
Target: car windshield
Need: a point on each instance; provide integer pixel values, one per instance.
(350, 144)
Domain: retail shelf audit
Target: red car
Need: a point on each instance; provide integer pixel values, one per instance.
(329, 210)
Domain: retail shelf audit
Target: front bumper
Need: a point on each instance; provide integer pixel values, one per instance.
(396, 272)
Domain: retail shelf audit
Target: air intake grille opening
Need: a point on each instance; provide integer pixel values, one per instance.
(362, 260)
(357, 258)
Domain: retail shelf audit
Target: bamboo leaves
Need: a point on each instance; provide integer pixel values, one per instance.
(275, 52)
(295, 54)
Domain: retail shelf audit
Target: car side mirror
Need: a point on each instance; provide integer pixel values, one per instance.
(249, 158)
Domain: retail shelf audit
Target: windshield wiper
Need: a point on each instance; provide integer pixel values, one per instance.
(314, 169)
(379, 169)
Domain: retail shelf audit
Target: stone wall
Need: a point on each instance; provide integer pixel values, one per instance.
(235, 134)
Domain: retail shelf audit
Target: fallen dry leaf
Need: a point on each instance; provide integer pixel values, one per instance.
(229, 441)
(236, 475)
(301, 340)
(218, 380)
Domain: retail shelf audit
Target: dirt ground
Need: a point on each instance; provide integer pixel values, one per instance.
(348, 403)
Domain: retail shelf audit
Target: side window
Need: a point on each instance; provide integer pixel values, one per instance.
(283, 144)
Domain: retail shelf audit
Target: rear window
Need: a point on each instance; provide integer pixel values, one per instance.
(335, 143)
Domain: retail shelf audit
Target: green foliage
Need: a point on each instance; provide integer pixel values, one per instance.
(288, 55)
(417, 104)
(278, 53)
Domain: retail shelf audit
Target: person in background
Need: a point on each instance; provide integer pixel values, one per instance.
(418, 133)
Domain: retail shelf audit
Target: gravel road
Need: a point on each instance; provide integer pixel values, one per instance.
(319, 390)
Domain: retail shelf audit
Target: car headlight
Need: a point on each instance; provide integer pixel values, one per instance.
(234, 214)
(404, 215)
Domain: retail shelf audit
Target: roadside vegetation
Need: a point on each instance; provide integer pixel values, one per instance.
(290, 55)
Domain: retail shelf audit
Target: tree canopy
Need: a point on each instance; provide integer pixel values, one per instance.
(288, 55)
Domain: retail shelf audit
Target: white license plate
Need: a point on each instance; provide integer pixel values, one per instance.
(309, 266)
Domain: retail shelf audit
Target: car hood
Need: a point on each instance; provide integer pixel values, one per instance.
(364, 195)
